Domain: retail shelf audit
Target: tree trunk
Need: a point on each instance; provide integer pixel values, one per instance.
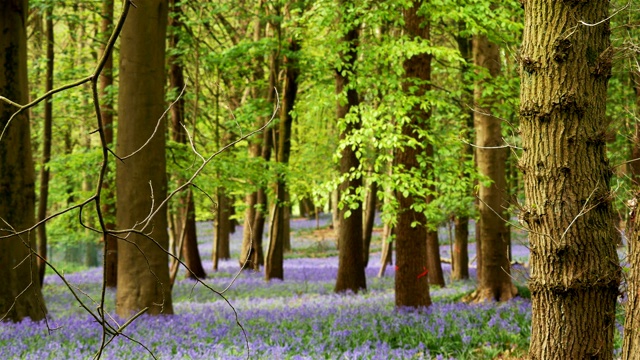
(631, 338)
(574, 265)
(369, 219)
(222, 229)
(248, 253)
(434, 263)
(106, 113)
(350, 268)
(460, 255)
(412, 278)
(17, 174)
(143, 272)
(179, 135)
(277, 233)
(46, 148)
(387, 249)
(494, 284)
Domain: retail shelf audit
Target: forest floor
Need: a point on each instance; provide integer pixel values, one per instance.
(299, 317)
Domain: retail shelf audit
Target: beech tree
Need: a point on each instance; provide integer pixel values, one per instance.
(350, 262)
(412, 282)
(565, 63)
(493, 240)
(143, 272)
(20, 293)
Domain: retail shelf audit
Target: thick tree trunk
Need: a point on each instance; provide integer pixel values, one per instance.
(186, 219)
(412, 278)
(494, 282)
(574, 265)
(20, 292)
(369, 219)
(46, 149)
(278, 229)
(350, 268)
(107, 111)
(631, 341)
(143, 272)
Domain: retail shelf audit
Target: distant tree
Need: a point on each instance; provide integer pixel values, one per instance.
(143, 273)
(412, 281)
(20, 292)
(494, 279)
(277, 233)
(350, 262)
(565, 62)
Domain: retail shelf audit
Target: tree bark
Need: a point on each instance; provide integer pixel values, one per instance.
(106, 113)
(460, 255)
(278, 230)
(179, 135)
(412, 278)
(369, 219)
(350, 267)
(20, 292)
(494, 283)
(46, 148)
(631, 334)
(575, 273)
(143, 272)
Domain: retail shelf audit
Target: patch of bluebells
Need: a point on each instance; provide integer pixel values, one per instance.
(298, 318)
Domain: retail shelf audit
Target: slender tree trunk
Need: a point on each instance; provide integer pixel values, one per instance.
(143, 272)
(387, 249)
(460, 255)
(46, 148)
(434, 263)
(20, 292)
(274, 260)
(495, 283)
(350, 268)
(369, 219)
(575, 274)
(179, 135)
(249, 251)
(107, 111)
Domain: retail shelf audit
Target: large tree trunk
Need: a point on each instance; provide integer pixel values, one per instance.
(20, 294)
(46, 148)
(278, 230)
(631, 341)
(106, 109)
(412, 281)
(143, 272)
(574, 265)
(350, 268)
(494, 283)
(186, 219)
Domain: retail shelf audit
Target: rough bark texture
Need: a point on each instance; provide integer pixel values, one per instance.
(17, 174)
(143, 272)
(631, 340)
(495, 283)
(107, 111)
(278, 230)
(350, 268)
(412, 281)
(574, 266)
(46, 148)
(186, 218)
